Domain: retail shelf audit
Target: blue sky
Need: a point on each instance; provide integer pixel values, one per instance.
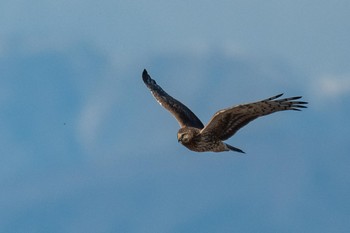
(85, 148)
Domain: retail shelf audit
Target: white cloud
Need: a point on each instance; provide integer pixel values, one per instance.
(93, 114)
(330, 87)
(89, 121)
(334, 85)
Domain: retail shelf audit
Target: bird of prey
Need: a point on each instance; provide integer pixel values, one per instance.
(223, 125)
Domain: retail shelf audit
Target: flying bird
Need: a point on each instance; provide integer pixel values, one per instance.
(223, 125)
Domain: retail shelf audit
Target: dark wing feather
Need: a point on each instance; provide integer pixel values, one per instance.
(183, 115)
(225, 123)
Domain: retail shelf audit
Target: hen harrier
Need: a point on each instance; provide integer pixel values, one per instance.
(223, 125)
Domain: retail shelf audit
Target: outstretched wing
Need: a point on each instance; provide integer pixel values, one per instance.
(225, 123)
(183, 115)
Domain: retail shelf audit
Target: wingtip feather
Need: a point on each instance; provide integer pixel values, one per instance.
(147, 78)
(273, 97)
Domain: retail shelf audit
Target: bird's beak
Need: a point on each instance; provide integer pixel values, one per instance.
(179, 140)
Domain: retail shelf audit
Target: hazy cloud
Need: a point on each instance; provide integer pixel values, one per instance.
(332, 86)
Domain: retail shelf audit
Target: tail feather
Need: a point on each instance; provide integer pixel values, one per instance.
(234, 148)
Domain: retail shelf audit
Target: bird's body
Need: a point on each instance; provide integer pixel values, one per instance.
(224, 124)
(193, 139)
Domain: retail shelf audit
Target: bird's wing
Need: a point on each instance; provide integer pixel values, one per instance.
(183, 115)
(225, 123)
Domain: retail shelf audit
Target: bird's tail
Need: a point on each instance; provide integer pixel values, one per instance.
(234, 148)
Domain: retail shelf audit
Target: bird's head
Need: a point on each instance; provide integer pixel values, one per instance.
(183, 137)
(186, 134)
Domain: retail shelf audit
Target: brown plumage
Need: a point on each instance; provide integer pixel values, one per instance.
(223, 125)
